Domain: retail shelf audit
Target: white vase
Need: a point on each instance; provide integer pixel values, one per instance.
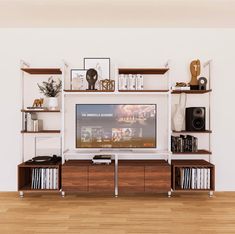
(52, 103)
(179, 115)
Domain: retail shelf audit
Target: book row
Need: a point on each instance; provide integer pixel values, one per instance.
(130, 82)
(184, 143)
(193, 178)
(45, 178)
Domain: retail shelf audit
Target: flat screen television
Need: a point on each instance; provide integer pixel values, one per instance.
(116, 126)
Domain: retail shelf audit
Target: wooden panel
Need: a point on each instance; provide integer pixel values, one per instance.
(131, 179)
(157, 178)
(200, 151)
(43, 131)
(146, 71)
(75, 178)
(145, 91)
(191, 91)
(42, 71)
(24, 177)
(101, 178)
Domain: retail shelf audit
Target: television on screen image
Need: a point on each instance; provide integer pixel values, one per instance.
(116, 126)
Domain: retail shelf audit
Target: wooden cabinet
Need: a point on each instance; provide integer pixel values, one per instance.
(133, 176)
(83, 176)
(139, 176)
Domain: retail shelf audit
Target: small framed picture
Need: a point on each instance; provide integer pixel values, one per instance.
(78, 79)
(101, 65)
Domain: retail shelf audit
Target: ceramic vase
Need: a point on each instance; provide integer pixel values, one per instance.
(52, 103)
(179, 115)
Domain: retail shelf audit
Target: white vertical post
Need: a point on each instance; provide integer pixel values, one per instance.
(169, 113)
(22, 65)
(64, 66)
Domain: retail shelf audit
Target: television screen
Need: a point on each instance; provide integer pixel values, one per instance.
(115, 126)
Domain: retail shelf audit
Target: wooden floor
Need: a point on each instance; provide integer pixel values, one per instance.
(183, 213)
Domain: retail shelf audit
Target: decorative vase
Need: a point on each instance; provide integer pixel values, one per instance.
(179, 115)
(52, 103)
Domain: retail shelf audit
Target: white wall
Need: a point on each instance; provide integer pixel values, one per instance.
(126, 47)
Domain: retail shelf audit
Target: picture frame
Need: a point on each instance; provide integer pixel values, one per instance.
(101, 65)
(78, 79)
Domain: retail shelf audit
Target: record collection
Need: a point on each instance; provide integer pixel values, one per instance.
(193, 178)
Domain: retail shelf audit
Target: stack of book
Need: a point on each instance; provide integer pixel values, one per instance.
(193, 178)
(184, 143)
(45, 178)
(131, 82)
(102, 159)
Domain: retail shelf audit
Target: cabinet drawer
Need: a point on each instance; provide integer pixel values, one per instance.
(131, 179)
(101, 178)
(157, 178)
(75, 178)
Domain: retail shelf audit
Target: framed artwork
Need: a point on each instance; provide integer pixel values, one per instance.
(101, 65)
(78, 79)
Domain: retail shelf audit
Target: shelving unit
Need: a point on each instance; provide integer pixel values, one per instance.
(25, 170)
(195, 164)
(25, 177)
(189, 163)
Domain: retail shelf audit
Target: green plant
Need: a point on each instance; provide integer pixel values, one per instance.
(51, 88)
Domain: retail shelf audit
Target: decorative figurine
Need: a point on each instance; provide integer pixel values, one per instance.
(91, 77)
(107, 84)
(195, 69)
(38, 103)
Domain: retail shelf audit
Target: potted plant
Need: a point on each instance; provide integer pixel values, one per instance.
(51, 90)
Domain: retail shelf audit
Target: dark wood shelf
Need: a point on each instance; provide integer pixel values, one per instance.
(43, 111)
(192, 190)
(145, 91)
(57, 165)
(191, 91)
(42, 71)
(184, 131)
(200, 151)
(43, 131)
(143, 71)
(191, 163)
(27, 188)
(88, 91)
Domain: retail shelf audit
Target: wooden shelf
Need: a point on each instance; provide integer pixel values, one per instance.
(88, 91)
(42, 71)
(191, 91)
(43, 131)
(184, 131)
(143, 71)
(27, 188)
(57, 165)
(145, 91)
(43, 111)
(201, 151)
(192, 190)
(191, 163)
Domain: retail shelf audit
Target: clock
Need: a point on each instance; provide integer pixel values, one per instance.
(202, 81)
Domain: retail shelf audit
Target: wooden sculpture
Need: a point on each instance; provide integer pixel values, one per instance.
(38, 102)
(195, 69)
(107, 84)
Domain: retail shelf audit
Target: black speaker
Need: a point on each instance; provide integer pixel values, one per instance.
(195, 119)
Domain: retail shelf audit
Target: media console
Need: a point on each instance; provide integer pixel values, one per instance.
(120, 177)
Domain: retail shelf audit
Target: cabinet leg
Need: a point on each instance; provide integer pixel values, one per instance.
(63, 193)
(21, 193)
(211, 193)
(169, 193)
